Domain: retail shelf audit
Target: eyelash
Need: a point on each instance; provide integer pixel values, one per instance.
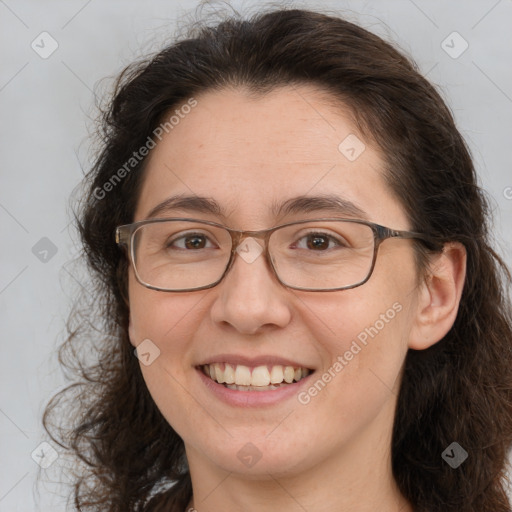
(337, 241)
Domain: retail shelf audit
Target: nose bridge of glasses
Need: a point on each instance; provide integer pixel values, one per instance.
(249, 250)
(238, 237)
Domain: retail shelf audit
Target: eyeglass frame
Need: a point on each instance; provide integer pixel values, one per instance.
(124, 238)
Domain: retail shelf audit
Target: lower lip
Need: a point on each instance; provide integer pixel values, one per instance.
(252, 398)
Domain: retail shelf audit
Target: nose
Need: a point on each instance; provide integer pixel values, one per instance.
(250, 298)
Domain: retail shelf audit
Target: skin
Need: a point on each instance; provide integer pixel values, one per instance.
(332, 454)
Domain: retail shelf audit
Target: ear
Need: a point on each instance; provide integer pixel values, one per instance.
(439, 297)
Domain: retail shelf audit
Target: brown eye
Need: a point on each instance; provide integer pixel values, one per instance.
(190, 241)
(317, 242)
(195, 242)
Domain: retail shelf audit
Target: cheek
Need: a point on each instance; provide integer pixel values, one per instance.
(363, 335)
(363, 347)
(168, 320)
(364, 340)
(164, 324)
(157, 315)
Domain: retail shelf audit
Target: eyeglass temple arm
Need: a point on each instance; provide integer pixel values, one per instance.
(396, 233)
(123, 235)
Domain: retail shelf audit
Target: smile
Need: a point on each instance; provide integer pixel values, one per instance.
(260, 378)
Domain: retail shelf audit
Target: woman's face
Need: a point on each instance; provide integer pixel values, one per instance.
(249, 154)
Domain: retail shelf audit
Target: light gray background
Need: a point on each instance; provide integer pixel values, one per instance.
(46, 110)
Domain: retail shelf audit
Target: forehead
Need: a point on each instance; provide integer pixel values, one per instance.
(252, 153)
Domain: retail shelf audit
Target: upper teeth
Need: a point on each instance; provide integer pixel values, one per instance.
(260, 376)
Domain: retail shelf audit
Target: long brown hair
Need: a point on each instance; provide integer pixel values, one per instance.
(459, 390)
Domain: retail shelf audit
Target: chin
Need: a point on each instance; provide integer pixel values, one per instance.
(256, 457)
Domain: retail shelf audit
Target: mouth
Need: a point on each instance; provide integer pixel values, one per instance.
(239, 377)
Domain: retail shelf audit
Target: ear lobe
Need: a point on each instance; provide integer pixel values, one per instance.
(439, 297)
(131, 332)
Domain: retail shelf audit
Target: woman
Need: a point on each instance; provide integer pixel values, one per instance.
(301, 266)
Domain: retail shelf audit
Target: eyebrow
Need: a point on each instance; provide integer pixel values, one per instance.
(308, 204)
(295, 205)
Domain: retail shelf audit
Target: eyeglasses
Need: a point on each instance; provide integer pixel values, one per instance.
(181, 254)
